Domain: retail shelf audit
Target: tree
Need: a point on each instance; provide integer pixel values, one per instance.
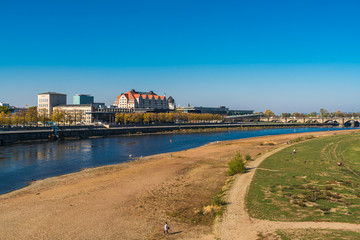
(324, 112)
(269, 113)
(296, 114)
(43, 116)
(57, 115)
(285, 115)
(312, 114)
(16, 119)
(147, 118)
(80, 116)
(69, 117)
(339, 114)
(5, 118)
(4, 109)
(32, 115)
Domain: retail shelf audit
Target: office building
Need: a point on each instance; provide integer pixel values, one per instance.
(47, 101)
(83, 99)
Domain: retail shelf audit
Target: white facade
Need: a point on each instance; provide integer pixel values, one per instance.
(2, 104)
(76, 112)
(47, 101)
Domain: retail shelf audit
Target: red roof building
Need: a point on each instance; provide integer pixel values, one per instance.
(146, 100)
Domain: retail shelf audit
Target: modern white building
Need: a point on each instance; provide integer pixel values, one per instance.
(47, 101)
(79, 113)
(144, 100)
(2, 104)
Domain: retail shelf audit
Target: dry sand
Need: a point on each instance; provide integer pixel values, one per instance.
(132, 200)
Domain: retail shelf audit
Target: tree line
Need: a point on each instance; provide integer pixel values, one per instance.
(323, 113)
(159, 118)
(32, 117)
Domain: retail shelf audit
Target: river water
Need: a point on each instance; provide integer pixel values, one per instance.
(25, 162)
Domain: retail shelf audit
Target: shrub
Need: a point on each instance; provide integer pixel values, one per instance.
(247, 157)
(236, 165)
(219, 201)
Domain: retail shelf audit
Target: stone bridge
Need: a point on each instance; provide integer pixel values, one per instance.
(341, 121)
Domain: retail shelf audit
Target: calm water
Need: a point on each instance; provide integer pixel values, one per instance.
(22, 163)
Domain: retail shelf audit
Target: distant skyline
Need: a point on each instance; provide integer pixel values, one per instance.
(287, 56)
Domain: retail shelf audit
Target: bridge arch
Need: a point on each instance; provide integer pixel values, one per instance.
(332, 121)
(352, 123)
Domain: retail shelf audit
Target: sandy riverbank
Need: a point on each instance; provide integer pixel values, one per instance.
(130, 200)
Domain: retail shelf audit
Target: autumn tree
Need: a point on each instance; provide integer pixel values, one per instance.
(5, 118)
(324, 112)
(58, 116)
(32, 116)
(269, 114)
(296, 114)
(286, 115)
(4, 109)
(15, 119)
(339, 114)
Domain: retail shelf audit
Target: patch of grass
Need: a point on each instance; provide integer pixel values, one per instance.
(328, 234)
(309, 186)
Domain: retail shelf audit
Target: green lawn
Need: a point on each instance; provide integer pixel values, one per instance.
(295, 234)
(309, 186)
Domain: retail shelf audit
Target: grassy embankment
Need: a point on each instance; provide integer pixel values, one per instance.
(308, 185)
(317, 234)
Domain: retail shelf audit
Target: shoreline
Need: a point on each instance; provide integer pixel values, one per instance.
(31, 180)
(40, 135)
(131, 200)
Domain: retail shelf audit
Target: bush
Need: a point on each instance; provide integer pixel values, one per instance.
(236, 165)
(247, 157)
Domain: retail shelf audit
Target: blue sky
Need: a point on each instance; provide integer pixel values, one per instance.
(284, 55)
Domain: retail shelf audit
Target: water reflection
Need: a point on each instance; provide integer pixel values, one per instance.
(22, 163)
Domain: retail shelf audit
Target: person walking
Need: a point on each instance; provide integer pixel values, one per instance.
(166, 228)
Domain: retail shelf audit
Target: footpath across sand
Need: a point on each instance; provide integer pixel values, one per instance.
(133, 200)
(237, 224)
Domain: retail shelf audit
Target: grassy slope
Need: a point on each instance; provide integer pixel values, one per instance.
(309, 186)
(317, 234)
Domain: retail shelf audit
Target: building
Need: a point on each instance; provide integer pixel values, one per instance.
(222, 110)
(171, 103)
(2, 104)
(142, 100)
(47, 101)
(240, 112)
(83, 99)
(79, 113)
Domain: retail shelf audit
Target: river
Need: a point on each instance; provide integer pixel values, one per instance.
(26, 162)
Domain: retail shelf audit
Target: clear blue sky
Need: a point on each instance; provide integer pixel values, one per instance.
(284, 55)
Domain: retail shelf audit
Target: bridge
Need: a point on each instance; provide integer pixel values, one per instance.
(341, 121)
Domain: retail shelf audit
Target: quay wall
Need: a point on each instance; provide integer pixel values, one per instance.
(8, 137)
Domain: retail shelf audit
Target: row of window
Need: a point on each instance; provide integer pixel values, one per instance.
(43, 100)
(43, 105)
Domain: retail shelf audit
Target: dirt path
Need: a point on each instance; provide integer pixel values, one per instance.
(237, 224)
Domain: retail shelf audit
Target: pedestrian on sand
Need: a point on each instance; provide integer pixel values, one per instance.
(166, 228)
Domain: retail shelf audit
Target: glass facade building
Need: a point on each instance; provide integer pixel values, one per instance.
(83, 99)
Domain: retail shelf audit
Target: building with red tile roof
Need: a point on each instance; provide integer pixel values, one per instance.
(144, 100)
